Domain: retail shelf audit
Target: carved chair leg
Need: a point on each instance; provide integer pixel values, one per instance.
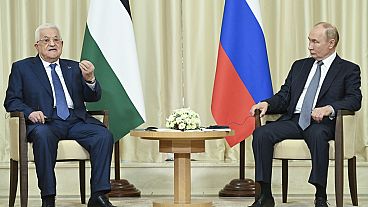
(13, 181)
(285, 175)
(353, 180)
(82, 180)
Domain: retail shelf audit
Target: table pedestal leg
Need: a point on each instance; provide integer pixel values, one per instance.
(182, 185)
(182, 179)
(182, 172)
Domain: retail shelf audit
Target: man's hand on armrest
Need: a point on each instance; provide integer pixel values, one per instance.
(263, 106)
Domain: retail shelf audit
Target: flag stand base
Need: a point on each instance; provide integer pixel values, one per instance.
(122, 188)
(242, 187)
(239, 188)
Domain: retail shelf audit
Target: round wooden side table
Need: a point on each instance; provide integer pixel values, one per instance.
(182, 144)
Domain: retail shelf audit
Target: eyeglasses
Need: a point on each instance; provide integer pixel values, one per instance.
(47, 40)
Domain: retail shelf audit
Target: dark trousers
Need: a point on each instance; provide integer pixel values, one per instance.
(96, 139)
(316, 136)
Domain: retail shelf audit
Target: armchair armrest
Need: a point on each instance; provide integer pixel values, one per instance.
(17, 114)
(102, 113)
(267, 117)
(339, 133)
(22, 138)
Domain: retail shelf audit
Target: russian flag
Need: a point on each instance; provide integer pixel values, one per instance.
(242, 74)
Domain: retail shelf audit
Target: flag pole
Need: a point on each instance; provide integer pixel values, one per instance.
(121, 187)
(242, 187)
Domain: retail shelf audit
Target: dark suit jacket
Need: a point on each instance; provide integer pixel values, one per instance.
(29, 89)
(340, 89)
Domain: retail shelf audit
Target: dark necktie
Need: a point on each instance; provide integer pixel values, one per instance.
(306, 111)
(61, 106)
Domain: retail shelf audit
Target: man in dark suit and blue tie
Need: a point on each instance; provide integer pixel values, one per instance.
(52, 92)
(315, 88)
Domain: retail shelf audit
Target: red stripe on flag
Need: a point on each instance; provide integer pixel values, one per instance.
(231, 101)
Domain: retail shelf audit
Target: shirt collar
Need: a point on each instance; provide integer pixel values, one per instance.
(328, 61)
(47, 64)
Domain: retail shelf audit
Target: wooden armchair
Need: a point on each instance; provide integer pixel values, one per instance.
(293, 149)
(21, 151)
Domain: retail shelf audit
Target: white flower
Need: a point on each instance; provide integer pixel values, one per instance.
(182, 126)
(183, 119)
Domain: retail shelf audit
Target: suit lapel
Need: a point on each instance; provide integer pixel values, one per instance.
(302, 77)
(299, 82)
(39, 70)
(67, 74)
(330, 76)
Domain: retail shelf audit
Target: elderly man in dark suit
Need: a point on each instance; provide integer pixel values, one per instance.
(51, 92)
(315, 88)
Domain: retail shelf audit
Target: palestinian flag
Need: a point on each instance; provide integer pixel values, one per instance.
(109, 43)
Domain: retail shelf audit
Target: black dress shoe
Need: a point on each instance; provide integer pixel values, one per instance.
(99, 201)
(264, 201)
(48, 202)
(320, 202)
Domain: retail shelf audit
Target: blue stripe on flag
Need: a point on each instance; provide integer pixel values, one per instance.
(243, 40)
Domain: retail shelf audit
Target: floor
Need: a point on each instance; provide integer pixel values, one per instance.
(146, 201)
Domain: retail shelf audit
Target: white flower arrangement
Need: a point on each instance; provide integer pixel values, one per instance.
(183, 119)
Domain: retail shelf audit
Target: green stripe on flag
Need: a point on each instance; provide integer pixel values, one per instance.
(123, 116)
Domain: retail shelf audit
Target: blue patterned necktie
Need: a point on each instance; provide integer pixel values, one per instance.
(61, 106)
(306, 111)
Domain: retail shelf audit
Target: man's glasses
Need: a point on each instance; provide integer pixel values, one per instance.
(47, 40)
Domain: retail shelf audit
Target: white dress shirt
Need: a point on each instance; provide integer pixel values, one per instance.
(47, 67)
(324, 69)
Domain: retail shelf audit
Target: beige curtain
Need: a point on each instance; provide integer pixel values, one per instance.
(177, 42)
(157, 26)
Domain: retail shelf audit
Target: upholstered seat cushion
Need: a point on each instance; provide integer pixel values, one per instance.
(67, 150)
(297, 149)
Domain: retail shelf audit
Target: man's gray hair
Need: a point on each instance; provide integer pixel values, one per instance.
(45, 26)
(331, 31)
